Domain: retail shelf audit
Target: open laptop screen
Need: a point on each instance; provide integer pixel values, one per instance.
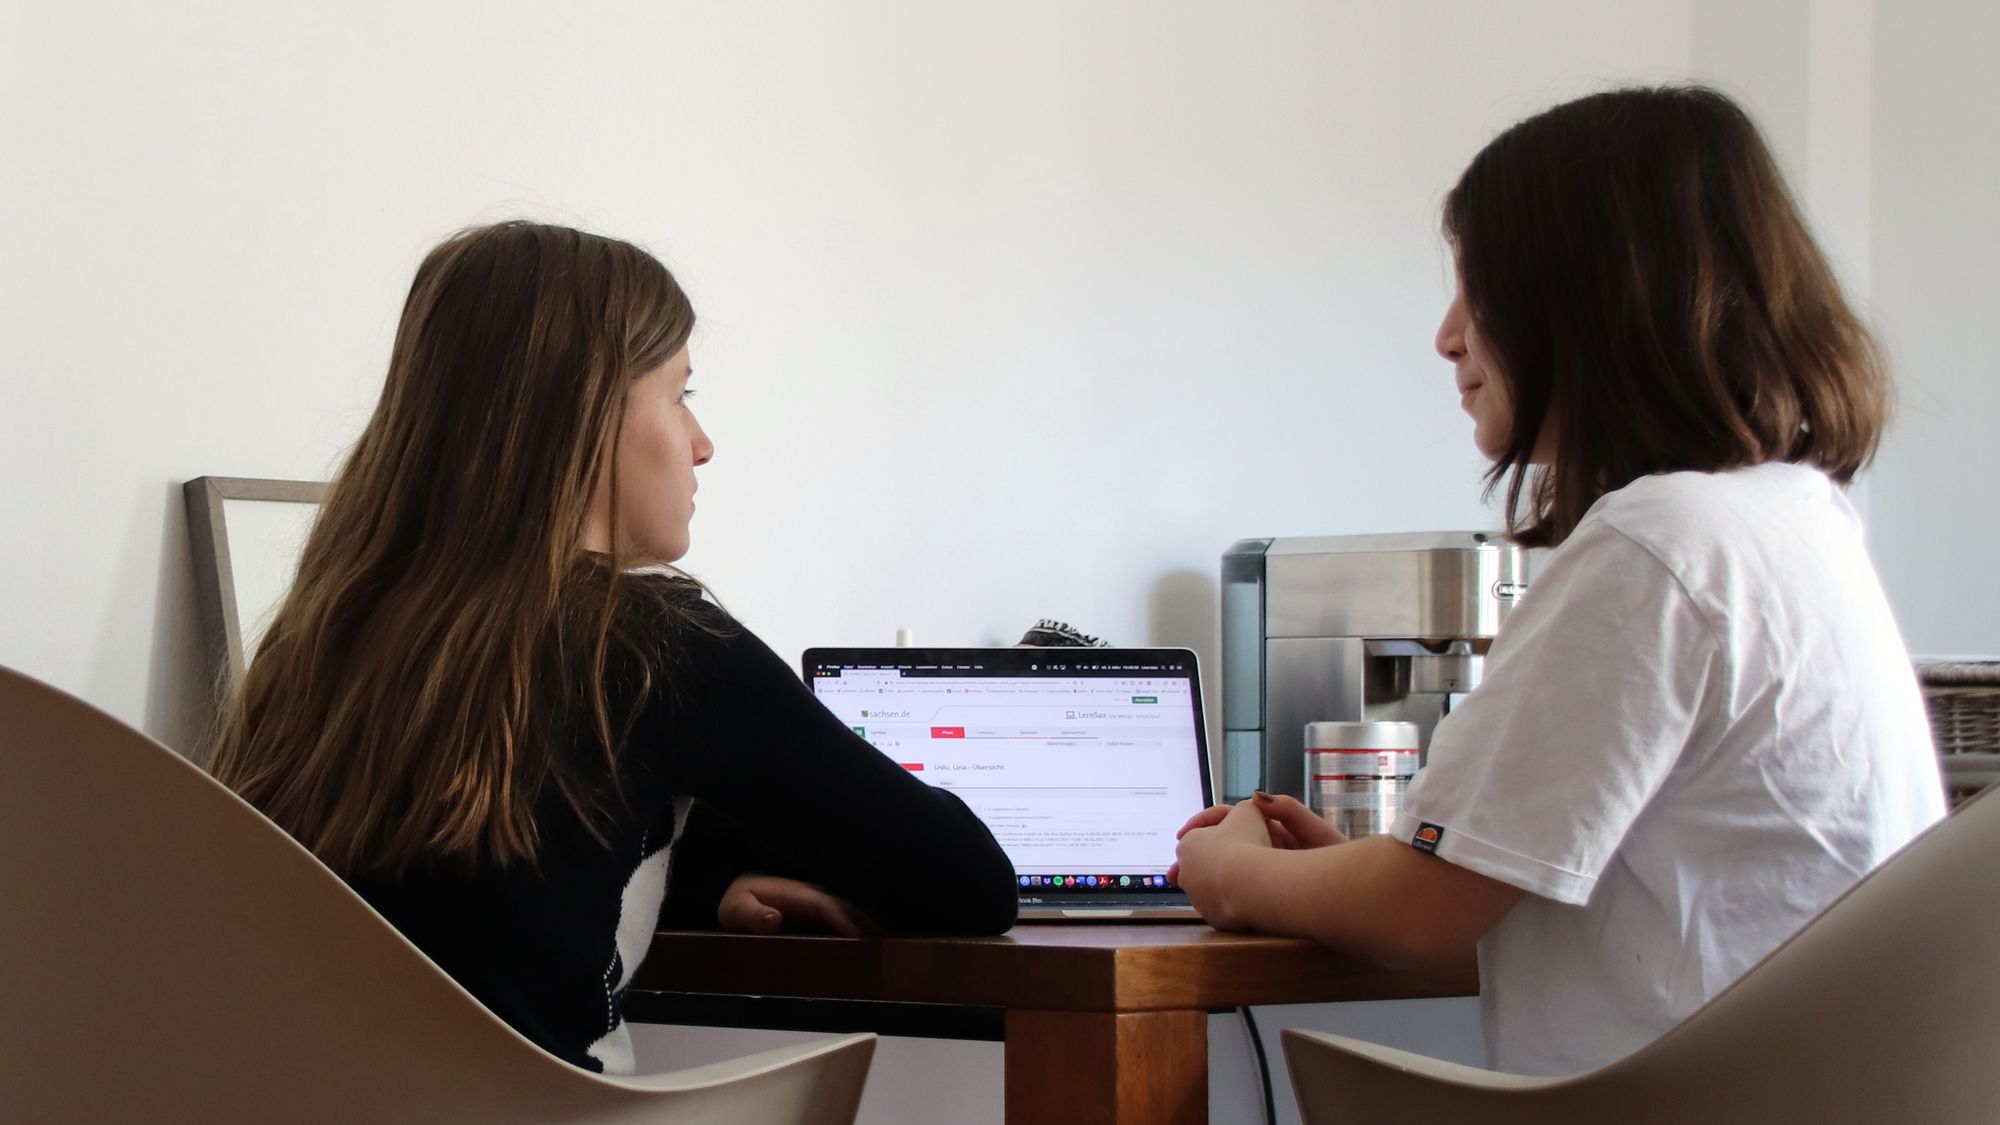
(1082, 762)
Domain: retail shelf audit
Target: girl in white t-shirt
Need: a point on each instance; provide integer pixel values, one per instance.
(1700, 727)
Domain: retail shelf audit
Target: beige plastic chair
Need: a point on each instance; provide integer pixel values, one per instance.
(1885, 1008)
(169, 955)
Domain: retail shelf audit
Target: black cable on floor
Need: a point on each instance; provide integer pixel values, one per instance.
(1263, 1066)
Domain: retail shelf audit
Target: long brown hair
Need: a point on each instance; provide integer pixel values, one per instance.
(1648, 287)
(404, 706)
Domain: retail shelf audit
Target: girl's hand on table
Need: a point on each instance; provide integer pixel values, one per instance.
(765, 904)
(1205, 860)
(1291, 824)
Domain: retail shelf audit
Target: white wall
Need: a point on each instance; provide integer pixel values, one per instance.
(1935, 525)
(1009, 310)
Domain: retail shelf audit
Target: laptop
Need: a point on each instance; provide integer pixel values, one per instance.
(1083, 762)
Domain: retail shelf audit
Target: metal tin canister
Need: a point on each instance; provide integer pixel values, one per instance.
(1356, 773)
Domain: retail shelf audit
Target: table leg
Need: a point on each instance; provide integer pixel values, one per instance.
(1103, 1068)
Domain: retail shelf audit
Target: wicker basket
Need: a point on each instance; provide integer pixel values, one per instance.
(1964, 702)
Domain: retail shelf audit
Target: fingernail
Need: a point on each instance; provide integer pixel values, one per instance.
(1261, 795)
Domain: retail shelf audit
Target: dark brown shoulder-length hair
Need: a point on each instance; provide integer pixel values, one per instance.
(415, 695)
(1648, 288)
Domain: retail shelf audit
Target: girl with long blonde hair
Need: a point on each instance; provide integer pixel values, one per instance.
(521, 749)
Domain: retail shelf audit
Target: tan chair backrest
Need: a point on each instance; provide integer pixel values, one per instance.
(168, 954)
(1885, 1008)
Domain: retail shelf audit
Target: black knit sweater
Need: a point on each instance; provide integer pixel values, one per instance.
(736, 768)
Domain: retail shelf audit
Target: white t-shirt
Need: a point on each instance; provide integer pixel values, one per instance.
(1698, 728)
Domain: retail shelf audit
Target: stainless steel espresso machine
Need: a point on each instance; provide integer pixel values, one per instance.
(1351, 628)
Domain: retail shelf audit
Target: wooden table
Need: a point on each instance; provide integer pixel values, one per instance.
(1126, 1005)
